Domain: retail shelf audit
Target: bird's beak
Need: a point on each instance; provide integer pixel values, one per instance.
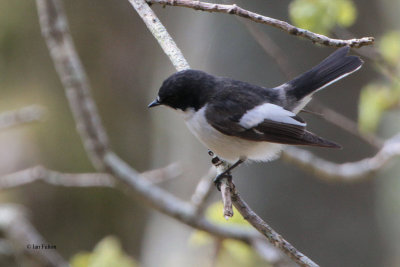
(154, 104)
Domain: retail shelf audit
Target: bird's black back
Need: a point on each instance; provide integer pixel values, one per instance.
(229, 92)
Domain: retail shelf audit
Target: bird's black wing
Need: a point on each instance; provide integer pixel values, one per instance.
(263, 122)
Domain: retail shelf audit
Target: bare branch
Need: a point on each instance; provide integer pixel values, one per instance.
(56, 33)
(160, 175)
(39, 173)
(282, 25)
(249, 215)
(266, 230)
(268, 252)
(271, 48)
(225, 184)
(23, 115)
(160, 33)
(55, 30)
(22, 235)
(168, 204)
(226, 198)
(203, 191)
(345, 172)
(344, 123)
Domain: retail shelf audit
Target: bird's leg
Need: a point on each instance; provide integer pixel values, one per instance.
(226, 174)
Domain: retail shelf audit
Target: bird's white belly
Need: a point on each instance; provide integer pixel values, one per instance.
(229, 148)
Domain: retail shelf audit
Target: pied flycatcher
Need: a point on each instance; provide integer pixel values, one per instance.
(239, 121)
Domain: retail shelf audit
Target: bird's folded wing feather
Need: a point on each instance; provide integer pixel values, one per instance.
(265, 122)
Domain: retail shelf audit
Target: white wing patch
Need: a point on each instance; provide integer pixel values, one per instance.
(268, 111)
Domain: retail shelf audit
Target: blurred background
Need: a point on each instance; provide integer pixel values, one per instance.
(335, 224)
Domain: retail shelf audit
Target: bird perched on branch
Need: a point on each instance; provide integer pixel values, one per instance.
(240, 121)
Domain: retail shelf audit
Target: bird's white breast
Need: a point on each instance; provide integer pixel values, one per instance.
(229, 148)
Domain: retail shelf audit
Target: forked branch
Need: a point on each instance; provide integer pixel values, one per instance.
(56, 33)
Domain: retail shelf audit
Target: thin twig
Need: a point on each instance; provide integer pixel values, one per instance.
(203, 191)
(271, 48)
(268, 252)
(158, 30)
(225, 184)
(282, 25)
(226, 198)
(23, 115)
(276, 239)
(249, 215)
(167, 173)
(40, 173)
(344, 123)
(22, 235)
(345, 172)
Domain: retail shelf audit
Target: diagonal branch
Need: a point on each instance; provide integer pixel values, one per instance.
(276, 239)
(22, 235)
(232, 196)
(56, 32)
(279, 24)
(203, 191)
(159, 32)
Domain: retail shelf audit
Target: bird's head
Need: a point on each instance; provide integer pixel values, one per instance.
(188, 89)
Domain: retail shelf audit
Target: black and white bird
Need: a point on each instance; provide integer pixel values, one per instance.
(239, 121)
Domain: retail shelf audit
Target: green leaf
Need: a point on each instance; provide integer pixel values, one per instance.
(108, 252)
(241, 252)
(233, 253)
(389, 46)
(374, 100)
(346, 14)
(322, 15)
(81, 259)
(215, 214)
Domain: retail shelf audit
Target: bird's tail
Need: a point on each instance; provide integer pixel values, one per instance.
(335, 67)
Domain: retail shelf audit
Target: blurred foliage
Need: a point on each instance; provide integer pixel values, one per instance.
(322, 15)
(378, 97)
(233, 253)
(389, 47)
(214, 214)
(374, 100)
(107, 252)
